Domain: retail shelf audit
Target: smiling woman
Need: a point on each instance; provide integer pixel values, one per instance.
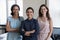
(5, 6)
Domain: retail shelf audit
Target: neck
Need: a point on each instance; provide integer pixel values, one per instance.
(44, 15)
(29, 18)
(15, 16)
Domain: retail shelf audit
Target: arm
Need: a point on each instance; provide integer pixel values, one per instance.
(51, 29)
(10, 29)
(27, 33)
(36, 29)
(22, 31)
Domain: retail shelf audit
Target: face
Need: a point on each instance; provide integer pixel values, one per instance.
(43, 10)
(30, 13)
(16, 10)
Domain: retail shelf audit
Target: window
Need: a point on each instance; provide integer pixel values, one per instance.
(3, 12)
(5, 9)
(54, 6)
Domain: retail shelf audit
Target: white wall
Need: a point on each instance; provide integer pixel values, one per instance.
(35, 4)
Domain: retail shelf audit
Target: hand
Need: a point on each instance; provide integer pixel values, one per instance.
(32, 31)
(23, 30)
(27, 33)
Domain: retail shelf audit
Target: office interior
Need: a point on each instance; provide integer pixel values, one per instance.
(54, 10)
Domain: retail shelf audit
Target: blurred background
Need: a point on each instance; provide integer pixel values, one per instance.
(54, 10)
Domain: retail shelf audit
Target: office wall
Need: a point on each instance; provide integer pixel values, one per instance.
(29, 3)
(35, 4)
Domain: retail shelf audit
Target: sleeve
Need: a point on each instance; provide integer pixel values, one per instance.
(21, 28)
(9, 19)
(36, 29)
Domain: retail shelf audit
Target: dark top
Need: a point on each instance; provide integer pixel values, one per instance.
(29, 25)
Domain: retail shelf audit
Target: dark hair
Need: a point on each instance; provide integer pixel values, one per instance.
(13, 7)
(47, 14)
(29, 8)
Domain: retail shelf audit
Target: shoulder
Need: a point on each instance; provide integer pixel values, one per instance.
(21, 18)
(38, 18)
(9, 18)
(50, 21)
(25, 21)
(35, 20)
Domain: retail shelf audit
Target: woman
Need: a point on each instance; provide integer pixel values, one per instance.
(14, 23)
(30, 27)
(45, 23)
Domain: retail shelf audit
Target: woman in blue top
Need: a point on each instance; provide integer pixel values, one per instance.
(29, 27)
(14, 23)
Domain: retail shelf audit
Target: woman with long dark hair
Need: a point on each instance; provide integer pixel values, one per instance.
(45, 23)
(14, 23)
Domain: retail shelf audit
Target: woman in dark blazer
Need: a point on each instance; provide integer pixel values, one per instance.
(29, 27)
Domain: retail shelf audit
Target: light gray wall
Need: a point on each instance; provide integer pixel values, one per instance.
(35, 4)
